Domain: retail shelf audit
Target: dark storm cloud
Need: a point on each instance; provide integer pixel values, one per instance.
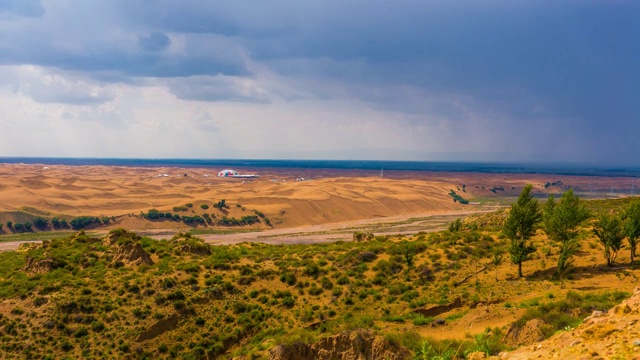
(554, 67)
(28, 8)
(544, 68)
(112, 62)
(155, 41)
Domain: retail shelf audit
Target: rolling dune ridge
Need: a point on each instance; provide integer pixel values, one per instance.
(346, 195)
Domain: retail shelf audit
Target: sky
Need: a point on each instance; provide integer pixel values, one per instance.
(481, 80)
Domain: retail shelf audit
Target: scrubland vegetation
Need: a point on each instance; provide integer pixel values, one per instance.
(218, 216)
(131, 296)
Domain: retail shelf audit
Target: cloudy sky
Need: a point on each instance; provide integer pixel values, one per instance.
(541, 80)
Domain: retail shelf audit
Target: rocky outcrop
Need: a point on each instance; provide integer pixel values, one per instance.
(528, 334)
(132, 254)
(611, 335)
(192, 244)
(196, 248)
(356, 345)
(40, 266)
(115, 235)
(436, 310)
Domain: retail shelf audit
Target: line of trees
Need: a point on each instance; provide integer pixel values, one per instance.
(561, 221)
(55, 223)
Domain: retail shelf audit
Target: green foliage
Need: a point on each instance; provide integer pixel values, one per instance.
(608, 228)
(521, 225)
(409, 252)
(429, 352)
(59, 223)
(193, 220)
(40, 223)
(20, 227)
(362, 236)
(421, 320)
(631, 217)
(561, 223)
(456, 225)
(154, 214)
(458, 198)
(180, 208)
(204, 206)
(220, 204)
(245, 220)
(239, 300)
(571, 311)
(288, 278)
(82, 222)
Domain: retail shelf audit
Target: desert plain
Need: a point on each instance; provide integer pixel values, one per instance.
(326, 196)
(294, 275)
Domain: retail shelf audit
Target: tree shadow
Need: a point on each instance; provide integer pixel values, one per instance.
(577, 272)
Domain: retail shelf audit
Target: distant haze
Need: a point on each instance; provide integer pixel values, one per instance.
(481, 80)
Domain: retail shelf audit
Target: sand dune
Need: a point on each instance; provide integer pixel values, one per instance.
(345, 196)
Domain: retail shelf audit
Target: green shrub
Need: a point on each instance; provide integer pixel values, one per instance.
(81, 332)
(40, 223)
(288, 278)
(83, 222)
(288, 302)
(343, 280)
(570, 312)
(314, 290)
(154, 214)
(326, 283)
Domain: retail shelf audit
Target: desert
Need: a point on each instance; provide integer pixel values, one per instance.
(342, 265)
(326, 196)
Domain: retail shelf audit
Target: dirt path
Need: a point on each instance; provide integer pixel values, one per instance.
(13, 245)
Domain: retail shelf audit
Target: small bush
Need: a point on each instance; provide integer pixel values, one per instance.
(288, 278)
(421, 320)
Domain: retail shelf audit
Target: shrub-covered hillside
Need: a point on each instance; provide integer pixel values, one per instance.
(126, 296)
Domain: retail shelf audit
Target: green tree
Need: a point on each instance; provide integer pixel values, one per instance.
(547, 211)
(40, 223)
(520, 226)
(455, 226)
(608, 228)
(561, 221)
(496, 260)
(409, 253)
(631, 217)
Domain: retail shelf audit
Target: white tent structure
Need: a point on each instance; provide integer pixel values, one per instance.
(227, 173)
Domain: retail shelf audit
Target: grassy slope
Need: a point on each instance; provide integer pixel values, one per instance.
(244, 299)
